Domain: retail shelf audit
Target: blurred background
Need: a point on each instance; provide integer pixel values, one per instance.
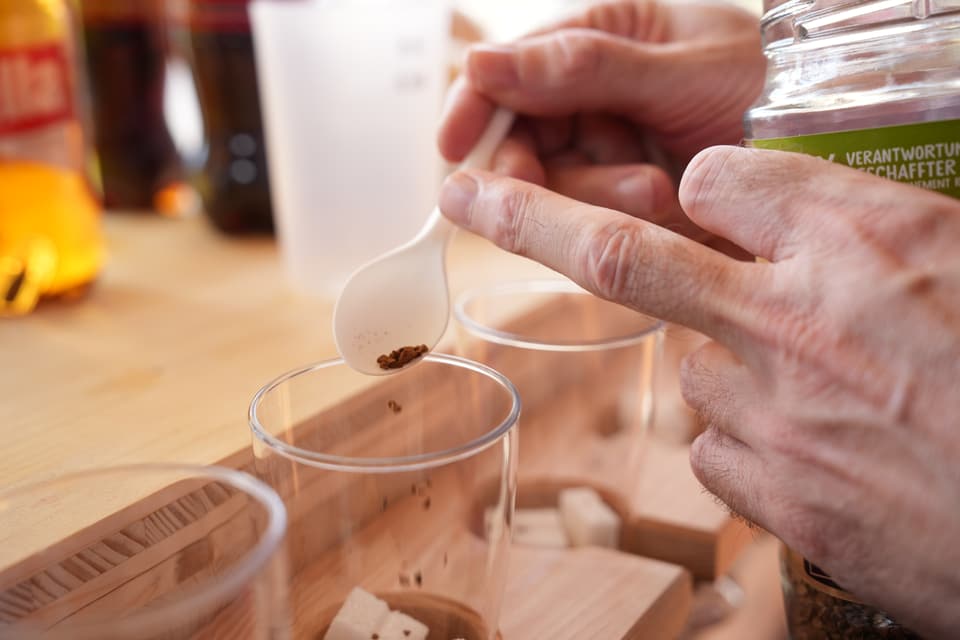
(265, 117)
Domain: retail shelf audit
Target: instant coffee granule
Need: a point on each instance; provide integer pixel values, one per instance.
(399, 358)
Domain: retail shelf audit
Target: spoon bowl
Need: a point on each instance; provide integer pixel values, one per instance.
(401, 298)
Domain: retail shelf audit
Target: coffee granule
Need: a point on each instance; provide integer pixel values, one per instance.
(399, 358)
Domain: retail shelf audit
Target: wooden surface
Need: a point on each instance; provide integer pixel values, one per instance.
(169, 540)
(159, 362)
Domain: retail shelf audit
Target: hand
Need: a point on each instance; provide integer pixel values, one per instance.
(830, 395)
(618, 99)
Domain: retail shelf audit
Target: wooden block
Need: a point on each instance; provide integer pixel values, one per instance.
(760, 614)
(587, 519)
(674, 519)
(593, 594)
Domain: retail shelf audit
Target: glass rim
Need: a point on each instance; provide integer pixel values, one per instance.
(200, 597)
(392, 464)
(540, 286)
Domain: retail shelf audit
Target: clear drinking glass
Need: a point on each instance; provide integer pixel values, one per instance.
(584, 368)
(143, 552)
(386, 480)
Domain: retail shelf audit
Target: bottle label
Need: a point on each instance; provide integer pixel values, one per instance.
(818, 579)
(34, 88)
(925, 155)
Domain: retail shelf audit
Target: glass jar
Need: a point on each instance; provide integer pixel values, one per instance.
(870, 84)
(817, 607)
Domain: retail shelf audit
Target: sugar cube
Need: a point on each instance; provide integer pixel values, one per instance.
(493, 522)
(587, 519)
(539, 528)
(359, 618)
(400, 626)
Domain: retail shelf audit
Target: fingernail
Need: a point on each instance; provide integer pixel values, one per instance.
(493, 67)
(456, 197)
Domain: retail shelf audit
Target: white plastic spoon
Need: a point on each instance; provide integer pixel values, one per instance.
(400, 299)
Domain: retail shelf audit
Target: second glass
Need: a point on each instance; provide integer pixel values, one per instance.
(386, 480)
(584, 368)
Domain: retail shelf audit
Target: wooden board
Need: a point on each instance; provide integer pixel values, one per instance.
(160, 360)
(166, 542)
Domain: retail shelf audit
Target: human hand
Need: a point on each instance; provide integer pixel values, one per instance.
(617, 100)
(830, 395)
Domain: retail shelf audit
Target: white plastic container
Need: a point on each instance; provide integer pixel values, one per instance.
(352, 94)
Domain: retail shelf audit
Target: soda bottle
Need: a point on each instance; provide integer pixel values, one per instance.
(233, 182)
(126, 61)
(50, 235)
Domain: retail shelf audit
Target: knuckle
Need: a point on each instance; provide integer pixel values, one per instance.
(789, 442)
(614, 16)
(577, 55)
(706, 457)
(610, 255)
(514, 210)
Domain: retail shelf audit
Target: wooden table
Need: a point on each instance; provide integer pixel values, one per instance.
(160, 360)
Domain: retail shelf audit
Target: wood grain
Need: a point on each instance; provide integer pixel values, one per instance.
(188, 533)
(159, 362)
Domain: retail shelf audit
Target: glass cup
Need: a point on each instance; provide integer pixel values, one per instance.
(585, 370)
(143, 552)
(387, 480)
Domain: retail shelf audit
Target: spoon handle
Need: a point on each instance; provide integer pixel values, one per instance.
(482, 152)
(437, 228)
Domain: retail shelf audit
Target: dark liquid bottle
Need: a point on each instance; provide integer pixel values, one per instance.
(233, 181)
(126, 61)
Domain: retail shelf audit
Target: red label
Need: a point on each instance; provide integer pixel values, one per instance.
(34, 88)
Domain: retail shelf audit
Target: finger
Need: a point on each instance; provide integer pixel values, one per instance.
(640, 190)
(517, 157)
(723, 392)
(774, 203)
(559, 73)
(732, 472)
(638, 20)
(566, 159)
(617, 257)
(608, 140)
(465, 116)
(553, 135)
(575, 70)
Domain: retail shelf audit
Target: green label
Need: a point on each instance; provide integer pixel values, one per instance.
(925, 155)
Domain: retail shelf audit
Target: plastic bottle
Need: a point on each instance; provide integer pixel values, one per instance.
(50, 234)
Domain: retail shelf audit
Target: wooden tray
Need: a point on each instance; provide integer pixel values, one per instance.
(160, 360)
